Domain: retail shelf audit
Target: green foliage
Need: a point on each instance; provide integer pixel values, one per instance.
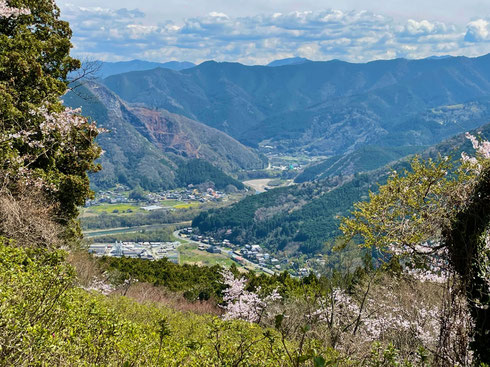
(46, 320)
(303, 215)
(198, 171)
(411, 208)
(137, 194)
(34, 64)
(437, 206)
(176, 278)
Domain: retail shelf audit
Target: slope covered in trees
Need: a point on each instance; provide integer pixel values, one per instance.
(197, 171)
(364, 159)
(305, 217)
(145, 148)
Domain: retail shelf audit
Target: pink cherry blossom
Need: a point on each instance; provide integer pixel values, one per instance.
(7, 11)
(242, 304)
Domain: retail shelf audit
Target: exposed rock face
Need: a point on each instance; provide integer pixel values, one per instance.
(188, 138)
(322, 108)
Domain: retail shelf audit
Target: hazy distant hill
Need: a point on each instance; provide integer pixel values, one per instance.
(146, 148)
(288, 61)
(113, 68)
(321, 107)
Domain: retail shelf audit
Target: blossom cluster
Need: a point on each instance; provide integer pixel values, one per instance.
(242, 304)
(99, 286)
(482, 149)
(378, 317)
(50, 133)
(7, 11)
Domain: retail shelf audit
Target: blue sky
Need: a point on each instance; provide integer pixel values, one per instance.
(257, 32)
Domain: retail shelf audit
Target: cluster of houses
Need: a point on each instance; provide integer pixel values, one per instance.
(137, 250)
(188, 194)
(252, 253)
(108, 197)
(255, 253)
(117, 196)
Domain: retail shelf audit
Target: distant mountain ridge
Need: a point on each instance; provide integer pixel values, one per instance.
(288, 61)
(112, 68)
(325, 108)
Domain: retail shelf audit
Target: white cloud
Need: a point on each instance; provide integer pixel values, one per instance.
(357, 36)
(476, 31)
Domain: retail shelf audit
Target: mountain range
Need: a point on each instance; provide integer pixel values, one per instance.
(318, 107)
(288, 61)
(106, 69)
(362, 116)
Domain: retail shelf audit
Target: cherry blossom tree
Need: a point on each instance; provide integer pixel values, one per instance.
(7, 11)
(242, 304)
(438, 215)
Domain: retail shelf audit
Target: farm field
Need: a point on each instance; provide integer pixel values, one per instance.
(189, 254)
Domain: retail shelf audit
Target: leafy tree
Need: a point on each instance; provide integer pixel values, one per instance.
(438, 210)
(138, 194)
(41, 142)
(198, 171)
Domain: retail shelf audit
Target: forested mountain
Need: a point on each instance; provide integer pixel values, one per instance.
(146, 147)
(366, 158)
(304, 218)
(321, 107)
(112, 68)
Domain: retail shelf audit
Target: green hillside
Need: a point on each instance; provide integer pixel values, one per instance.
(366, 158)
(145, 148)
(197, 171)
(303, 219)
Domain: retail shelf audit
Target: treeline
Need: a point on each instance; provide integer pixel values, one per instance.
(105, 220)
(194, 281)
(204, 282)
(197, 171)
(158, 235)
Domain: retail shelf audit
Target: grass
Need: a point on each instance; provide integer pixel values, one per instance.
(170, 203)
(189, 254)
(122, 209)
(110, 208)
(110, 231)
(187, 205)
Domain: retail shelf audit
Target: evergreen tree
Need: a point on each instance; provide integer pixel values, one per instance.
(42, 144)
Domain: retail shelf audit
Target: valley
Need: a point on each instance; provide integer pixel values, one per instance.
(289, 162)
(250, 207)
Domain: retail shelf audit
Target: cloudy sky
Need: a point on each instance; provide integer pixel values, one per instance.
(259, 31)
